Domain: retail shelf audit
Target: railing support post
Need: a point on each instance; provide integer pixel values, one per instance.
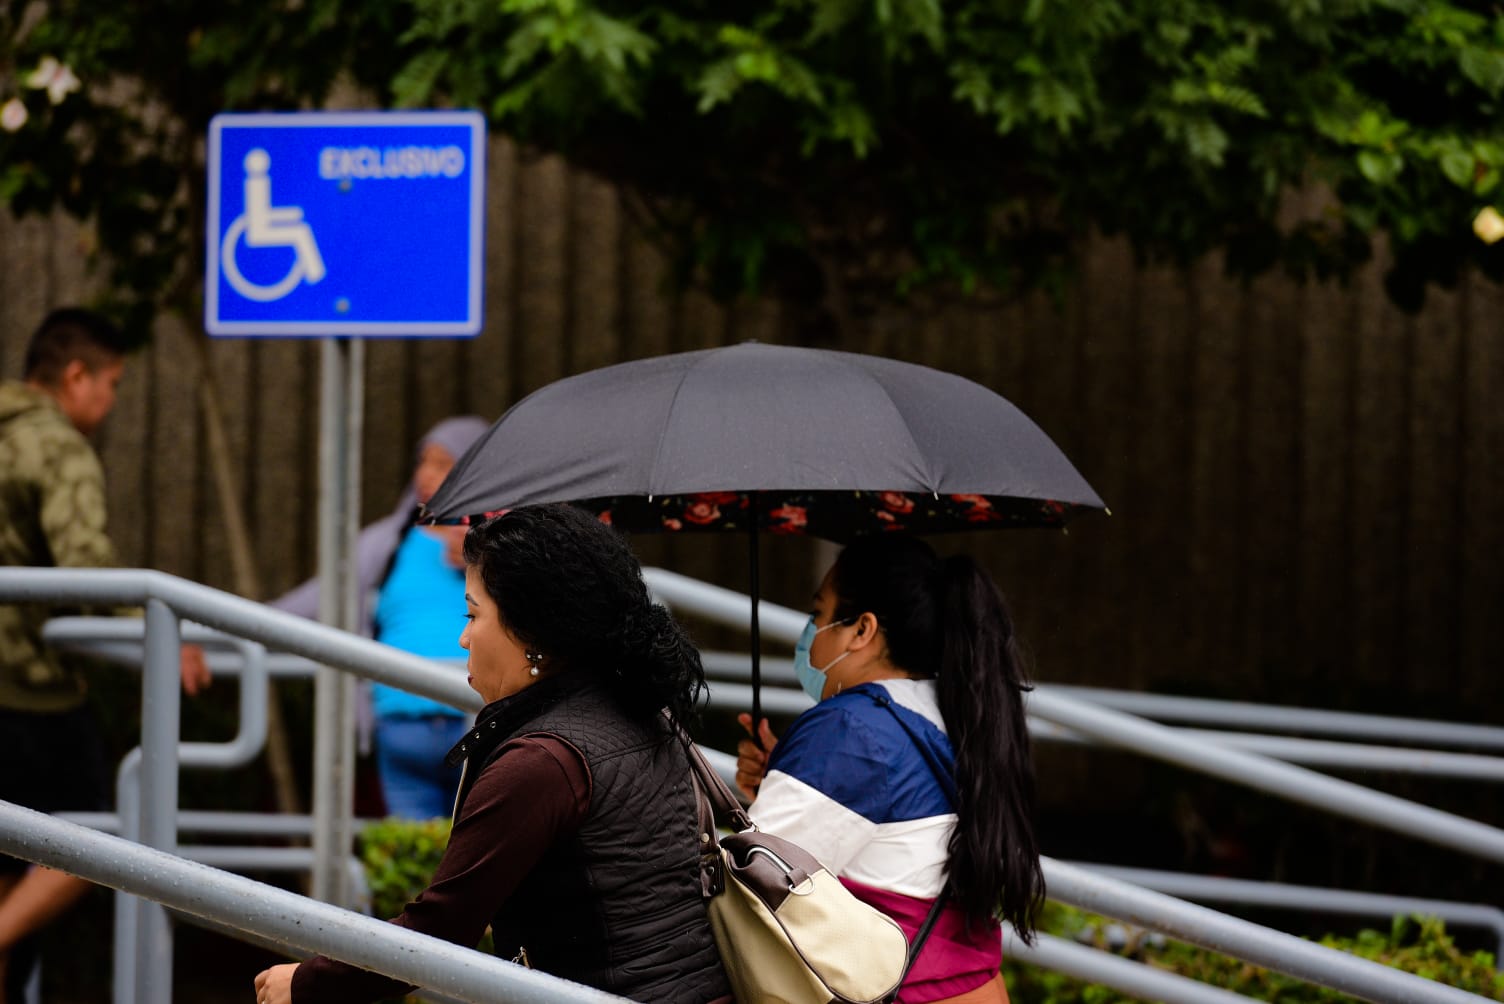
(340, 434)
(160, 700)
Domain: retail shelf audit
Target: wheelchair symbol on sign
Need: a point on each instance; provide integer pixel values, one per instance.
(263, 225)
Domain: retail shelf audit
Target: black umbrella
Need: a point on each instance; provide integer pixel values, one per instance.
(769, 438)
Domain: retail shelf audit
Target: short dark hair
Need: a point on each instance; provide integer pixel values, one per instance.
(68, 334)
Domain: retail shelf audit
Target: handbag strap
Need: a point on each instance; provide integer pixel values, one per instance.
(947, 785)
(917, 945)
(722, 802)
(713, 797)
(943, 775)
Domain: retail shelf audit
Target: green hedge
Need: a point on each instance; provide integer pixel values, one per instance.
(1418, 945)
(400, 856)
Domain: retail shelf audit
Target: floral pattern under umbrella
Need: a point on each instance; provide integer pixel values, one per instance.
(830, 515)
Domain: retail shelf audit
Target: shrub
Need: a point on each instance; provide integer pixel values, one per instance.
(400, 856)
(1418, 945)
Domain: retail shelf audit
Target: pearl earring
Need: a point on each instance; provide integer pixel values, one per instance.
(534, 658)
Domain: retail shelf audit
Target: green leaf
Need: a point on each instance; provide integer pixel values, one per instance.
(1055, 102)
(1380, 166)
(1205, 140)
(414, 83)
(832, 16)
(718, 84)
(850, 122)
(1484, 67)
(1459, 167)
(972, 87)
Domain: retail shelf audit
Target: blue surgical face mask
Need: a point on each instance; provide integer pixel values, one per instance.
(812, 680)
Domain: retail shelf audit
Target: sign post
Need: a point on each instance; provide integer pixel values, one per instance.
(343, 226)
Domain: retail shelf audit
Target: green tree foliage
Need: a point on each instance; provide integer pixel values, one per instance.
(891, 143)
(839, 151)
(122, 145)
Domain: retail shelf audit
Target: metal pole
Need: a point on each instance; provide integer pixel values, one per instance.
(1281, 895)
(441, 679)
(160, 699)
(754, 562)
(343, 840)
(1241, 939)
(1317, 752)
(1283, 718)
(1294, 783)
(127, 907)
(286, 919)
(326, 687)
(724, 606)
(1092, 965)
(334, 711)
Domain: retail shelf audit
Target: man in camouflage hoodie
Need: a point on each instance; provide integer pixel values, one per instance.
(52, 513)
(52, 503)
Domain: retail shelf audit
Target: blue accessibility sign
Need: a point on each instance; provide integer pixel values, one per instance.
(346, 223)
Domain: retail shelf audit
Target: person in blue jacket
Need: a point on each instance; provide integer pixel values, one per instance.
(911, 779)
(412, 586)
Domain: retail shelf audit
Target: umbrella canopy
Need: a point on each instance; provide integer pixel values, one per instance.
(792, 440)
(755, 436)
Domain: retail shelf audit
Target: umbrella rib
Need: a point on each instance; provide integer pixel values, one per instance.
(667, 417)
(929, 475)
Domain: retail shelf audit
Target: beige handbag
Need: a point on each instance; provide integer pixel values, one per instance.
(788, 931)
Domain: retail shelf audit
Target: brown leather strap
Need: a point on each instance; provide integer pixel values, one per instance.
(722, 801)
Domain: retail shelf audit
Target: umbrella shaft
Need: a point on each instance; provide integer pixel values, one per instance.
(753, 556)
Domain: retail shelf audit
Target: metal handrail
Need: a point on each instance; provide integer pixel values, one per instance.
(142, 936)
(283, 918)
(1194, 753)
(1080, 888)
(165, 595)
(243, 618)
(1205, 754)
(120, 639)
(1218, 889)
(109, 638)
(1241, 939)
(1319, 752)
(1283, 718)
(1296, 784)
(102, 638)
(778, 675)
(1092, 965)
(144, 975)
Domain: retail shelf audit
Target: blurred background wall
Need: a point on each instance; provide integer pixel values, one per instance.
(1305, 482)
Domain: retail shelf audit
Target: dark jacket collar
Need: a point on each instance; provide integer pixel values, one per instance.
(500, 720)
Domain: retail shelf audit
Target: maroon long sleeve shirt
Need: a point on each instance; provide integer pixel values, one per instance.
(536, 792)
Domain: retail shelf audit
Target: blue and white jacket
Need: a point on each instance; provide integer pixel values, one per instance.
(849, 784)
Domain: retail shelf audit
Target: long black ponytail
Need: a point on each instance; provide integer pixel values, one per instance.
(947, 620)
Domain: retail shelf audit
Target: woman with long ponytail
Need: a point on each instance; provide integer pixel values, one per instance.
(911, 778)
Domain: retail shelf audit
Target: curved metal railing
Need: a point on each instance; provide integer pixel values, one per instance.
(167, 598)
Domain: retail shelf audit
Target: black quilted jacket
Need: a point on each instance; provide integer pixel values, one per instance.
(618, 905)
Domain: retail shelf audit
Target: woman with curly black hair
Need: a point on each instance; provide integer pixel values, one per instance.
(911, 778)
(575, 831)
